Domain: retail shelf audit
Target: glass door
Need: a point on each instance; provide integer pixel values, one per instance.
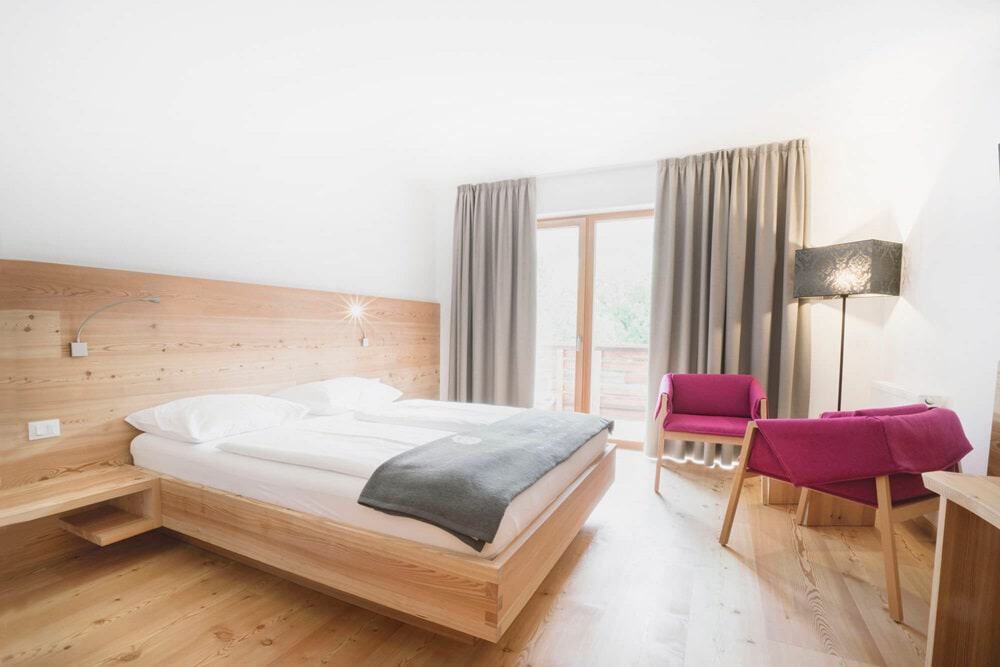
(557, 316)
(619, 359)
(594, 275)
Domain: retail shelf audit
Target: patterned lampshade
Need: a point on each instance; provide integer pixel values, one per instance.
(860, 267)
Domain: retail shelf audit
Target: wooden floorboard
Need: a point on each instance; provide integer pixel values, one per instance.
(644, 583)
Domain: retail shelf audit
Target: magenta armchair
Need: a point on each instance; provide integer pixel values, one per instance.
(706, 408)
(874, 457)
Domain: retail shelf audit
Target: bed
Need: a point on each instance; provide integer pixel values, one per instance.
(304, 521)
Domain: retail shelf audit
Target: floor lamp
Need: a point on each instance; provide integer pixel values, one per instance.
(858, 268)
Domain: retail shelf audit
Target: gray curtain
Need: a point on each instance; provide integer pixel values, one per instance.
(726, 230)
(492, 348)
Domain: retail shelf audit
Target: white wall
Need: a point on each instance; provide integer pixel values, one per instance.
(595, 190)
(927, 176)
(250, 227)
(211, 139)
(319, 144)
(904, 147)
(943, 335)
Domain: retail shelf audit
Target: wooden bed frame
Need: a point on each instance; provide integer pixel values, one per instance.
(453, 594)
(204, 337)
(209, 336)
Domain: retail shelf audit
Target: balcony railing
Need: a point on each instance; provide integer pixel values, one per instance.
(619, 382)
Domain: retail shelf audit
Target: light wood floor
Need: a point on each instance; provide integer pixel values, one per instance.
(645, 583)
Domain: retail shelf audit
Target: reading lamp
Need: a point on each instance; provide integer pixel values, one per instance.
(356, 314)
(860, 268)
(78, 348)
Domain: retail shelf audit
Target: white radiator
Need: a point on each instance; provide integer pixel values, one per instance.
(886, 394)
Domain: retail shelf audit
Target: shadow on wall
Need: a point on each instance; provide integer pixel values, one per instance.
(943, 336)
(866, 319)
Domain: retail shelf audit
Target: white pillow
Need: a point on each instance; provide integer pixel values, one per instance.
(377, 394)
(332, 397)
(203, 418)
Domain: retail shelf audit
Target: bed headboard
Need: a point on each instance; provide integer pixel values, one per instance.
(204, 336)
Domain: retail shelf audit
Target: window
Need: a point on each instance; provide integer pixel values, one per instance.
(594, 281)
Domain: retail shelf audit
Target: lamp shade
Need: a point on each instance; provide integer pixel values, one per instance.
(859, 267)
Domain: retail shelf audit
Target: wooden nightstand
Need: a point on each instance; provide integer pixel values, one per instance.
(115, 503)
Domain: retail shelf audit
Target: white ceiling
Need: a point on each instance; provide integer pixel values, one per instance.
(436, 92)
(317, 144)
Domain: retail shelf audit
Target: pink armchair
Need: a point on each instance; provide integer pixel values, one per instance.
(706, 408)
(873, 457)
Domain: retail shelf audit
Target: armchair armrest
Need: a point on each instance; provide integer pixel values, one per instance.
(663, 401)
(758, 401)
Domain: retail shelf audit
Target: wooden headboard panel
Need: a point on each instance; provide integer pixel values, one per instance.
(205, 336)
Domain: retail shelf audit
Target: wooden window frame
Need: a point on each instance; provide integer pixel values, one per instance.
(586, 225)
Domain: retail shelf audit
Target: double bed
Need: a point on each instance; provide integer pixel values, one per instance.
(269, 499)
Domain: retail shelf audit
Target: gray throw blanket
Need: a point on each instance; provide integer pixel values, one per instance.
(463, 483)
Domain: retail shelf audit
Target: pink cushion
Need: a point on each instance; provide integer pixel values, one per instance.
(718, 395)
(930, 440)
(818, 451)
(728, 426)
(764, 462)
(843, 456)
(879, 412)
(904, 487)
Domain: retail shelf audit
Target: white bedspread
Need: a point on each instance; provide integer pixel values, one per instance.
(441, 415)
(339, 444)
(335, 456)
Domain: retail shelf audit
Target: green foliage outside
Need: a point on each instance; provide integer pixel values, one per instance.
(621, 285)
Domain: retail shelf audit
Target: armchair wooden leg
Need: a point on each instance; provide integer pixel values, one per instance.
(884, 522)
(800, 512)
(734, 493)
(660, 443)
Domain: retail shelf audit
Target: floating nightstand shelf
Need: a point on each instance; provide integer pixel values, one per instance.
(115, 503)
(106, 524)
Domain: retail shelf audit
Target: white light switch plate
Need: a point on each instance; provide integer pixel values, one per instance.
(43, 429)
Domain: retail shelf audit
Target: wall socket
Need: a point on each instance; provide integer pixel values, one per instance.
(48, 428)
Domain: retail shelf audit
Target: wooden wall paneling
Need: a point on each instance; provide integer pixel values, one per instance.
(26, 546)
(206, 336)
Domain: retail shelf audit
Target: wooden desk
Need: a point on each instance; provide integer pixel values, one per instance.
(964, 626)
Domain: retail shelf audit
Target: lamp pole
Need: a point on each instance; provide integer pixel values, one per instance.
(840, 374)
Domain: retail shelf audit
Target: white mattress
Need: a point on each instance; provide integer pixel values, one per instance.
(333, 495)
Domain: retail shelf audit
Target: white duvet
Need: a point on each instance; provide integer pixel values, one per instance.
(441, 415)
(358, 444)
(322, 468)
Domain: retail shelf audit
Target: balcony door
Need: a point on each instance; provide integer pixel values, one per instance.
(594, 280)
